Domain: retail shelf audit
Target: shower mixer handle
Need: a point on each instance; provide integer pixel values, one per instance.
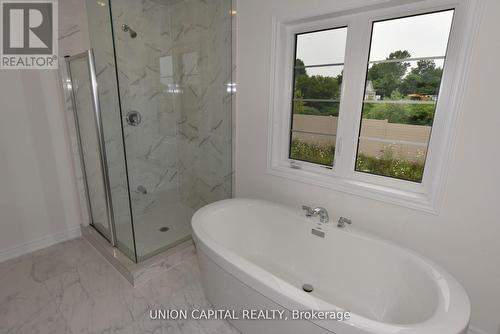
(126, 28)
(133, 118)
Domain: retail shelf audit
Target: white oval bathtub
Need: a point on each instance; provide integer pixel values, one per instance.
(257, 255)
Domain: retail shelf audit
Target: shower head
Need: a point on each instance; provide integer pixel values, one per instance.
(132, 32)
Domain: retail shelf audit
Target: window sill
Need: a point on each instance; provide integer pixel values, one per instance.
(410, 199)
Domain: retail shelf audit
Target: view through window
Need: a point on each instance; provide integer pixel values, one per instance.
(319, 62)
(405, 67)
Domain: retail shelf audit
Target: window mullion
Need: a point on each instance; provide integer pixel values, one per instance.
(357, 48)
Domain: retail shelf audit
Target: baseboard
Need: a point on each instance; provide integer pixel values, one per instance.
(474, 330)
(34, 245)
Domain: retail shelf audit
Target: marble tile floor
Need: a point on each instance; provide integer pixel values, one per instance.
(70, 288)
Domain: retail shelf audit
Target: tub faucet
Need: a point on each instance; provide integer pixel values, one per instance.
(322, 213)
(319, 211)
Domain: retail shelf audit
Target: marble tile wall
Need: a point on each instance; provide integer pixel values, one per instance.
(151, 146)
(175, 73)
(202, 48)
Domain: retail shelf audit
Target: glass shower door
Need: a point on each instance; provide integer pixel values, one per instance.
(173, 62)
(101, 40)
(90, 143)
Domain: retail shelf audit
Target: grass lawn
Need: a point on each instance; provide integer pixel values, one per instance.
(324, 154)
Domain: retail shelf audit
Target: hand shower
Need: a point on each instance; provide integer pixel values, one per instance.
(126, 28)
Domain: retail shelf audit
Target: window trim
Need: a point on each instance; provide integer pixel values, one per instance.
(368, 62)
(425, 196)
(293, 99)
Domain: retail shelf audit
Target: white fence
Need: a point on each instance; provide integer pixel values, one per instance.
(377, 137)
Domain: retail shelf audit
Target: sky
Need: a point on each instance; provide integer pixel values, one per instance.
(422, 35)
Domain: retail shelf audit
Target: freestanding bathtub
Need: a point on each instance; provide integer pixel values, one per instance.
(258, 255)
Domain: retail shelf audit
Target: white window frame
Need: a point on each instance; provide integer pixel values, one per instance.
(425, 196)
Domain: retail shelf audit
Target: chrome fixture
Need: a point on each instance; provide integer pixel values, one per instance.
(319, 211)
(307, 288)
(342, 221)
(126, 28)
(133, 118)
(322, 213)
(308, 210)
(317, 232)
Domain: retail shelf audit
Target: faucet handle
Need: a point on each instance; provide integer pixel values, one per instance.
(343, 221)
(309, 211)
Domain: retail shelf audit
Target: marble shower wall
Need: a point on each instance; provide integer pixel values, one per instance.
(145, 79)
(203, 68)
(176, 74)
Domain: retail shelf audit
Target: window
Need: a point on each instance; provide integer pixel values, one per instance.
(405, 67)
(319, 62)
(365, 101)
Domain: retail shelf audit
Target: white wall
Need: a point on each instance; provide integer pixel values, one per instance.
(465, 237)
(38, 196)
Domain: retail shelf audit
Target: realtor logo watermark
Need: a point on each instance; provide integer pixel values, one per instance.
(28, 34)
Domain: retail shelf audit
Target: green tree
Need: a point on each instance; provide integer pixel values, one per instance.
(386, 77)
(339, 78)
(317, 87)
(299, 67)
(423, 79)
(396, 95)
(298, 106)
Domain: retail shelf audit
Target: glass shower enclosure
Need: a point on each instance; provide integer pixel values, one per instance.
(153, 107)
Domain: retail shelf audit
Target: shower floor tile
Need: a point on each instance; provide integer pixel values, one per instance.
(149, 238)
(70, 288)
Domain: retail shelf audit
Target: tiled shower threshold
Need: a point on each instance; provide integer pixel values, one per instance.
(138, 273)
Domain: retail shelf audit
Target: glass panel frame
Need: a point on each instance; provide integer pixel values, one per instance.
(91, 142)
(314, 100)
(395, 168)
(102, 43)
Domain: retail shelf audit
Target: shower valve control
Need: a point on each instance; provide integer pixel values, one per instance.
(133, 118)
